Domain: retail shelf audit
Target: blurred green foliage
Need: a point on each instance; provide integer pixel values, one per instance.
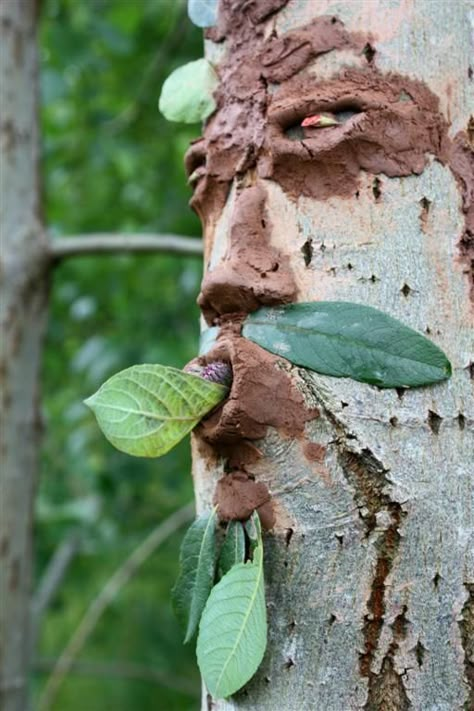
(112, 163)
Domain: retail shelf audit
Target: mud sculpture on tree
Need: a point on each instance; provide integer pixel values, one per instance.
(263, 152)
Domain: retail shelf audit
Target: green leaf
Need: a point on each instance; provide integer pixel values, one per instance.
(233, 549)
(197, 562)
(147, 409)
(233, 629)
(203, 13)
(349, 341)
(187, 94)
(253, 529)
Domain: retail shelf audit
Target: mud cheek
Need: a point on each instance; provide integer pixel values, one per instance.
(263, 395)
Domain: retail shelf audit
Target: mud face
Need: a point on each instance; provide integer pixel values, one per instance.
(390, 126)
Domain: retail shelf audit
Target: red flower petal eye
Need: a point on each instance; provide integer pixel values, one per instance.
(320, 121)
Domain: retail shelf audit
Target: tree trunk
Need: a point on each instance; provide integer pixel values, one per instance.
(24, 263)
(369, 566)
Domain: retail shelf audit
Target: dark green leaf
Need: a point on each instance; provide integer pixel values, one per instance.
(233, 628)
(233, 549)
(147, 409)
(349, 341)
(203, 13)
(187, 94)
(197, 569)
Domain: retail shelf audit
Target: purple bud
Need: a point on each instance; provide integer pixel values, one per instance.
(216, 372)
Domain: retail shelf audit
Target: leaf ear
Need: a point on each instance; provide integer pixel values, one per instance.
(187, 94)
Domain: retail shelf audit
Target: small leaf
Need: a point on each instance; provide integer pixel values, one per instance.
(147, 409)
(233, 549)
(197, 562)
(233, 628)
(203, 13)
(187, 94)
(253, 529)
(349, 341)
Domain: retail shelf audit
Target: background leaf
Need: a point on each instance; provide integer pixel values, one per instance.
(187, 94)
(349, 340)
(233, 628)
(197, 569)
(203, 13)
(147, 409)
(233, 548)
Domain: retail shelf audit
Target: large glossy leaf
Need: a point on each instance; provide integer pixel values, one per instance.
(187, 94)
(203, 13)
(233, 628)
(233, 548)
(197, 562)
(349, 340)
(147, 409)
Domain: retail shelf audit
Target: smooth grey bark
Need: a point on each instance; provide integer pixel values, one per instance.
(370, 568)
(22, 317)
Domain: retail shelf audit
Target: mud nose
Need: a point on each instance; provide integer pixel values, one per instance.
(253, 272)
(224, 291)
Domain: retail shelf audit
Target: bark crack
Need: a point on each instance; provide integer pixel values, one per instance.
(367, 476)
(386, 691)
(467, 637)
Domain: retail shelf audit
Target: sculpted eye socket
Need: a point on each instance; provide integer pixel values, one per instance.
(309, 123)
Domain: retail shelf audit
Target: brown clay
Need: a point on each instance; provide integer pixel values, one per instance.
(237, 496)
(253, 273)
(262, 395)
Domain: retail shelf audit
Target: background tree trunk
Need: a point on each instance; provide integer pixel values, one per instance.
(23, 310)
(369, 568)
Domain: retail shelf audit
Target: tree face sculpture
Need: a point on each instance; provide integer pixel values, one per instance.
(388, 125)
(376, 209)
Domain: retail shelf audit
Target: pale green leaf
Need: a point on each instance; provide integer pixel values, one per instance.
(233, 629)
(233, 548)
(187, 94)
(253, 528)
(203, 13)
(197, 562)
(349, 341)
(147, 409)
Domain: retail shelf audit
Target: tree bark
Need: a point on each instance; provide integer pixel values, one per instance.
(24, 262)
(369, 567)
